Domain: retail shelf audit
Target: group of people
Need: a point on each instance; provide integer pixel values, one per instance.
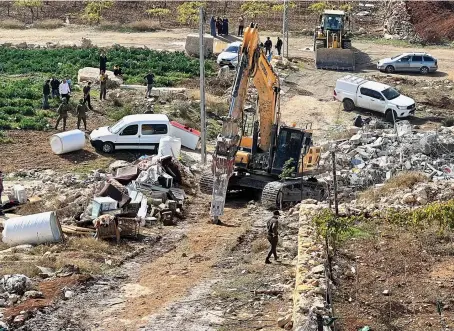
(53, 88)
(268, 45)
(219, 26)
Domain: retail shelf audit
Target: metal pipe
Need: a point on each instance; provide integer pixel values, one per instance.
(202, 86)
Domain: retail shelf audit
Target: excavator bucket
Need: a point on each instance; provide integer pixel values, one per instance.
(335, 58)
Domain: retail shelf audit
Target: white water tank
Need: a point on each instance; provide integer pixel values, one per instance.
(32, 229)
(19, 193)
(169, 146)
(68, 141)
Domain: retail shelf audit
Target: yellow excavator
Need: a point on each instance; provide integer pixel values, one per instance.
(260, 161)
(332, 44)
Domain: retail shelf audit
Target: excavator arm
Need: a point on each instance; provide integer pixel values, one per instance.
(252, 64)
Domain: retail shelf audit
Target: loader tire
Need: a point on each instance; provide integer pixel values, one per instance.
(319, 44)
(349, 105)
(346, 44)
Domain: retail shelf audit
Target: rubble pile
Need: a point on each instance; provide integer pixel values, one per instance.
(398, 23)
(371, 157)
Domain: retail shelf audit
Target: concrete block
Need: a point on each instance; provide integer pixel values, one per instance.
(192, 45)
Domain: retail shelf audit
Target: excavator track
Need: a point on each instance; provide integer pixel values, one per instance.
(206, 182)
(278, 194)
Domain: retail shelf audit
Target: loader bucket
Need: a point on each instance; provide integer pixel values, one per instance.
(335, 58)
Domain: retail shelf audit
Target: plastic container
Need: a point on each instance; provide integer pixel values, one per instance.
(20, 194)
(189, 137)
(32, 229)
(169, 146)
(68, 141)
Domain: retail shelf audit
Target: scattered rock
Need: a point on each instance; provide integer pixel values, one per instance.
(16, 284)
(282, 321)
(33, 295)
(69, 294)
(386, 292)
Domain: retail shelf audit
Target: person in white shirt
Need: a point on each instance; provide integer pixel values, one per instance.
(64, 90)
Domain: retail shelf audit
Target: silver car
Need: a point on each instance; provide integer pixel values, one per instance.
(410, 62)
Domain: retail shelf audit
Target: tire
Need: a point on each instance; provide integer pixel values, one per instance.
(389, 116)
(319, 44)
(424, 70)
(390, 69)
(349, 105)
(108, 148)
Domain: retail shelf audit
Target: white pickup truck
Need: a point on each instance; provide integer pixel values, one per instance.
(355, 92)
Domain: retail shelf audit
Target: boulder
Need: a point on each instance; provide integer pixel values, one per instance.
(192, 45)
(16, 284)
(89, 74)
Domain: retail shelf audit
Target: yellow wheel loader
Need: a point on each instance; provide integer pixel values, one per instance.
(332, 45)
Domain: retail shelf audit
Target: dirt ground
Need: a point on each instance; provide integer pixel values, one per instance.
(416, 269)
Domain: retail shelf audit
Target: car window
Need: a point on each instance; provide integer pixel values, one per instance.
(130, 130)
(395, 57)
(376, 94)
(232, 49)
(417, 58)
(405, 59)
(150, 129)
(390, 93)
(117, 126)
(428, 59)
(366, 91)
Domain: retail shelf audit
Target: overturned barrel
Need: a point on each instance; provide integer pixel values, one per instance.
(32, 229)
(68, 141)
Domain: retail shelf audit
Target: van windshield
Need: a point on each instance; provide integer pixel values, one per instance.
(116, 127)
(390, 93)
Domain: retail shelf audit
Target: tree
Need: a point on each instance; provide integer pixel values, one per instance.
(93, 11)
(158, 12)
(254, 8)
(188, 12)
(318, 7)
(31, 5)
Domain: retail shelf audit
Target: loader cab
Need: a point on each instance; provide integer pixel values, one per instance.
(333, 20)
(290, 144)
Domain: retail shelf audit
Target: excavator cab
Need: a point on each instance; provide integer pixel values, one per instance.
(291, 144)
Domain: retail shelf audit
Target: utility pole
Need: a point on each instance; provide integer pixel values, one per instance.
(285, 30)
(202, 85)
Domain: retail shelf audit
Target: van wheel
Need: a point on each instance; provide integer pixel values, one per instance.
(424, 70)
(389, 116)
(108, 147)
(348, 105)
(390, 69)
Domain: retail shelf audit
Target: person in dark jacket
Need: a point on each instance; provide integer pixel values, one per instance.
(213, 26)
(219, 25)
(117, 71)
(225, 26)
(272, 235)
(87, 99)
(268, 46)
(150, 81)
(102, 62)
(279, 45)
(103, 85)
(55, 84)
(1, 189)
(46, 93)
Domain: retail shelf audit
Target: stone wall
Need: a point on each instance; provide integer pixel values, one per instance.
(398, 23)
(310, 284)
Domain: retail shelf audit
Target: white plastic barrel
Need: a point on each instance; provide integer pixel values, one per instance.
(33, 229)
(169, 146)
(68, 141)
(20, 194)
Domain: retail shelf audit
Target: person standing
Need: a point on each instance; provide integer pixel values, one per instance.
(103, 85)
(219, 25)
(87, 98)
(272, 235)
(102, 62)
(150, 82)
(46, 93)
(54, 84)
(240, 26)
(1, 188)
(225, 26)
(81, 112)
(268, 46)
(279, 45)
(64, 90)
(213, 26)
(62, 113)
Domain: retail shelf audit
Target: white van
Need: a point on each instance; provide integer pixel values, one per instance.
(142, 131)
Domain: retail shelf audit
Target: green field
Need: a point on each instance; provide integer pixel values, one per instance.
(23, 72)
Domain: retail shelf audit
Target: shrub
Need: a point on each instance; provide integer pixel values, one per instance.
(11, 24)
(143, 26)
(49, 24)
